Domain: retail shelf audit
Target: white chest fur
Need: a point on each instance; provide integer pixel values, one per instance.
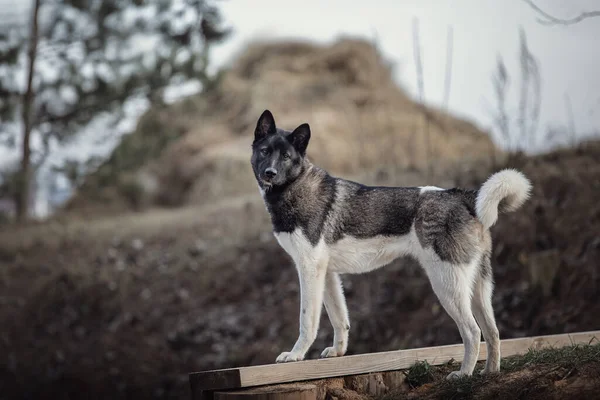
(350, 255)
(355, 256)
(299, 247)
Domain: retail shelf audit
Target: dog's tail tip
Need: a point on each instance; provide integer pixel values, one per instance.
(504, 191)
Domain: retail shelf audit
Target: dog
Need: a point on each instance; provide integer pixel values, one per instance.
(331, 226)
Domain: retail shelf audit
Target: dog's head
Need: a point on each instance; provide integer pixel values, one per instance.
(277, 155)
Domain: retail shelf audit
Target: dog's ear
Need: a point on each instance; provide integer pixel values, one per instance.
(265, 125)
(300, 138)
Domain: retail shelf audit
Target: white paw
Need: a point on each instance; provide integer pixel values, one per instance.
(487, 371)
(331, 352)
(289, 356)
(456, 375)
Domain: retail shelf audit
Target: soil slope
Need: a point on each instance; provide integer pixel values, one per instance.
(125, 307)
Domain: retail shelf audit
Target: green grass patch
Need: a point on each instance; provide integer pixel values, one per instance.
(419, 374)
(568, 356)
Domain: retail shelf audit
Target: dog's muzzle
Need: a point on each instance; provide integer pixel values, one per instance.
(269, 174)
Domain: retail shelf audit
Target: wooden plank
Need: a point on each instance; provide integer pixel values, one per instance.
(235, 378)
(280, 392)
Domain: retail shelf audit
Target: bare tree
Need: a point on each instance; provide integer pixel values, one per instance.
(24, 181)
(501, 82)
(92, 48)
(571, 119)
(547, 19)
(530, 100)
(525, 131)
(421, 88)
(418, 59)
(448, 79)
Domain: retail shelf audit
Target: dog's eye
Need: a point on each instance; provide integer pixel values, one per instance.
(264, 152)
(286, 156)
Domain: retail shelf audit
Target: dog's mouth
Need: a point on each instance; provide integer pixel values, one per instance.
(267, 180)
(267, 184)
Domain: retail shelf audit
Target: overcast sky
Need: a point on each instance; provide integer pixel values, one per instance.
(569, 56)
(482, 30)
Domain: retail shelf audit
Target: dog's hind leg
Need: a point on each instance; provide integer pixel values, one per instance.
(453, 285)
(311, 273)
(484, 314)
(335, 304)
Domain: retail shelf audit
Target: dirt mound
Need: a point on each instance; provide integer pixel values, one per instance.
(359, 117)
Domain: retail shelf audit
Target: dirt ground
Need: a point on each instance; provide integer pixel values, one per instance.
(124, 307)
(571, 373)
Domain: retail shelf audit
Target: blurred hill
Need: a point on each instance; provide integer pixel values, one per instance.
(197, 151)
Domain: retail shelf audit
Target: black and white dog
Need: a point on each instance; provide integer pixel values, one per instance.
(330, 226)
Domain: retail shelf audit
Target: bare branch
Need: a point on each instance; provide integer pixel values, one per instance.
(525, 76)
(552, 20)
(448, 79)
(571, 119)
(501, 82)
(421, 87)
(418, 61)
(536, 93)
(529, 103)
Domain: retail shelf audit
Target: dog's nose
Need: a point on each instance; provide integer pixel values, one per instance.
(270, 172)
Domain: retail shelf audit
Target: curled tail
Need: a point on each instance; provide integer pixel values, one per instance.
(504, 191)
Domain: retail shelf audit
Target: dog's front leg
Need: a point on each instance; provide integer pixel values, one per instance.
(335, 304)
(312, 285)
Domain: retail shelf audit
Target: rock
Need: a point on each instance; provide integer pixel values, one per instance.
(137, 244)
(120, 266)
(183, 294)
(146, 294)
(80, 332)
(112, 254)
(199, 248)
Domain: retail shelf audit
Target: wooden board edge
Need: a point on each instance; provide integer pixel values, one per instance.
(520, 345)
(213, 380)
(269, 374)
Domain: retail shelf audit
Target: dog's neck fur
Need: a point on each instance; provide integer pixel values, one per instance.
(303, 203)
(302, 184)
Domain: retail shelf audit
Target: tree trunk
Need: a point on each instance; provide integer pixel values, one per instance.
(23, 189)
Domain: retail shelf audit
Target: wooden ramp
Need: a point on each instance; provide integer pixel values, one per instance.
(226, 383)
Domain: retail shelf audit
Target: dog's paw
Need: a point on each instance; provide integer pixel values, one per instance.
(289, 356)
(456, 375)
(331, 352)
(487, 371)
